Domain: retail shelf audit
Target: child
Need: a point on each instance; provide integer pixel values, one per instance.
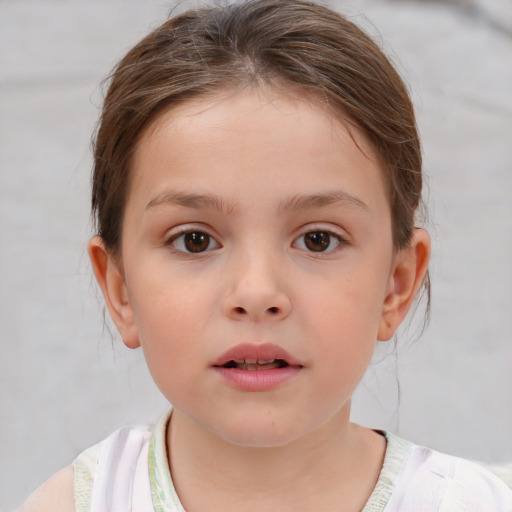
(257, 174)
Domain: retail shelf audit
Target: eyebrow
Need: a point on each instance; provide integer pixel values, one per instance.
(296, 202)
(198, 201)
(308, 201)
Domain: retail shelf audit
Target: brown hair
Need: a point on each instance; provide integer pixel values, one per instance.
(286, 42)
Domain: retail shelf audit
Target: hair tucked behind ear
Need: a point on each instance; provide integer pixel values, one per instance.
(255, 42)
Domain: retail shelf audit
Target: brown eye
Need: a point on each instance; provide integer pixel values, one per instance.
(196, 241)
(319, 241)
(193, 242)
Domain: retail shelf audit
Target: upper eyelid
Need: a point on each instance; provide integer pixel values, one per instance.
(173, 234)
(341, 238)
(190, 228)
(334, 229)
(327, 227)
(169, 242)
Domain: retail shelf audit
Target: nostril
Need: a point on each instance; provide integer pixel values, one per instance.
(273, 310)
(240, 310)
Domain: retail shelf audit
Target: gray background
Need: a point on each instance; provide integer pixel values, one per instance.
(64, 384)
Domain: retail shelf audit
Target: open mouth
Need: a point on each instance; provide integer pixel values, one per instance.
(256, 364)
(257, 367)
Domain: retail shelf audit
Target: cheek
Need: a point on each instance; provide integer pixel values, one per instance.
(170, 318)
(169, 328)
(344, 316)
(348, 307)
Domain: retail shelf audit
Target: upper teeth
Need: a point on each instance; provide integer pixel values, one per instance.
(254, 361)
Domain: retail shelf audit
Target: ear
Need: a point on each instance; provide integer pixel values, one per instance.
(110, 277)
(409, 269)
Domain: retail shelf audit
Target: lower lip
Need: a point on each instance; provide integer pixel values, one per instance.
(258, 380)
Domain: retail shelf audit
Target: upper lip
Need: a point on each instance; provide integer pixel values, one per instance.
(249, 352)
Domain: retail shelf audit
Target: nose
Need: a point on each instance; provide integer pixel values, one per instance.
(257, 292)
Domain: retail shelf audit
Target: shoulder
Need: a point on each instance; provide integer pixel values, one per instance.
(504, 471)
(471, 484)
(55, 495)
(71, 489)
(108, 466)
(451, 482)
(417, 478)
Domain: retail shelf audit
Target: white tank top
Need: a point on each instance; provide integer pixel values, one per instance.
(129, 472)
(122, 478)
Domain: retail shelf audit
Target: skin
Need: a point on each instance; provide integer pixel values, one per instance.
(56, 494)
(273, 167)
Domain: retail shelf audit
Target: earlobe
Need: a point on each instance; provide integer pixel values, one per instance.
(409, 270)
(110, 278)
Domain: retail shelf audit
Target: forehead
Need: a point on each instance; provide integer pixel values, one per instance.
(270, 137)
(243, 107)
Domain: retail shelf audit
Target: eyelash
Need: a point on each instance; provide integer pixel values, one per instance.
(340, 241)
(171, 241)
(213, 244)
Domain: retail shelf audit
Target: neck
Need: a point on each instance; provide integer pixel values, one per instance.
(339, 460)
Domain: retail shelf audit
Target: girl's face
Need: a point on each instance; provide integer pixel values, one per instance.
(257, 228)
